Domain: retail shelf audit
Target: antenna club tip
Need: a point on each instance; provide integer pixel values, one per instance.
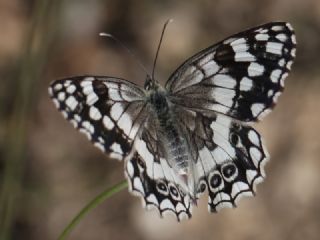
(170, 20)
(104, 34)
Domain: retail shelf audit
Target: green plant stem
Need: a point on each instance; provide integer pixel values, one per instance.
(37, 43)
(91, 205)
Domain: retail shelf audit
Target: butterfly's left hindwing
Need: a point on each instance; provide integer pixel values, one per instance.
(108, 111)
(151, 176)
(160, 193)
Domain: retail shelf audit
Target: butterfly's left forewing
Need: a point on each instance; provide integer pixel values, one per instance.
(109, 111)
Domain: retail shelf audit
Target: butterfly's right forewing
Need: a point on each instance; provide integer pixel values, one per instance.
(241, 76)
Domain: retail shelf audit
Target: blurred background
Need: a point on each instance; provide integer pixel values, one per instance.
(48, 171)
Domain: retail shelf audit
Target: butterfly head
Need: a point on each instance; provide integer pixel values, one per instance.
(150, 83)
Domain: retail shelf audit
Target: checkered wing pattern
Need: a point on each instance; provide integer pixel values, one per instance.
(216, 93)
(241, 76)
(109, 111)
(151, 176)
(229, 157)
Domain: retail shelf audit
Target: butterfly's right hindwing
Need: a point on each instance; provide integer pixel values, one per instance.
(108, 111)
(230, 157)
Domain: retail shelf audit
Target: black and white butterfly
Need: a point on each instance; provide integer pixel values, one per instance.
(194, 134)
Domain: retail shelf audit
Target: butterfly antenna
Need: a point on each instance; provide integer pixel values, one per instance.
(155, 59)
(103, 34)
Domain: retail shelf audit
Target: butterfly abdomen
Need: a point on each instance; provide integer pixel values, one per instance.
(175, 144)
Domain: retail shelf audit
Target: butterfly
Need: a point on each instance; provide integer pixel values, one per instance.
(194, 134)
